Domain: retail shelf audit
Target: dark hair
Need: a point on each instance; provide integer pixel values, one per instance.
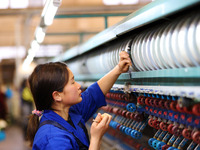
(44, 80)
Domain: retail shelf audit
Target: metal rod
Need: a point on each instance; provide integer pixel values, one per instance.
(106, 22)
(69, 33)
(91, 15)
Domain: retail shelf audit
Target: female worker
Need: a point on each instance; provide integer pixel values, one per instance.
(65, 109)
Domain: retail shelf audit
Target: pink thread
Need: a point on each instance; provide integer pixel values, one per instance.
(37, 112)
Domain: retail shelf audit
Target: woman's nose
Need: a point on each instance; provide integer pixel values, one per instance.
(79, 86)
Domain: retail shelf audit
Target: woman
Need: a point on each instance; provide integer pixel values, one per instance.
(65, 109)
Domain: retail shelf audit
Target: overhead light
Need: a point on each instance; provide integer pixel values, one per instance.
(49, 51)
(129, 2)
(31, 54)
(119, 2)
(34, 3)
(11, 52)
(49, 11)
(27, 62)
(19, 4)
(111, 2)
(40, 34)
(35, 46)
(4, 4)
(47, 16)
(26, 70)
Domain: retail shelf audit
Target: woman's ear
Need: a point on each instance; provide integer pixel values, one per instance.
(56, 96)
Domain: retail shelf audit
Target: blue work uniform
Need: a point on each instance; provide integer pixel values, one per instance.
(49, 137)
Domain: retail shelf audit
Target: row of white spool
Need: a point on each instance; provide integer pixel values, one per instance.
(174, 45)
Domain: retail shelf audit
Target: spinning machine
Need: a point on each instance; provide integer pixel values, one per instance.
(156, 104)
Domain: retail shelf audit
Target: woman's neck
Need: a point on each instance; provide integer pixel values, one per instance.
(64, 113)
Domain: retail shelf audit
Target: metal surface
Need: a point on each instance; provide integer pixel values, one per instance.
(152, 12)
(165, 54)
(95, 77)
(147, 14)
(167, 73)
(192, 72)
(91, 15)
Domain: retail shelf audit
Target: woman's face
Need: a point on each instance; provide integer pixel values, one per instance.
(72, 91)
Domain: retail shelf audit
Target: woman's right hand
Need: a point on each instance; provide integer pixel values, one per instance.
(98, 128)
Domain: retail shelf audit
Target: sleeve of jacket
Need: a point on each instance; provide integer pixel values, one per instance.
(92, 99)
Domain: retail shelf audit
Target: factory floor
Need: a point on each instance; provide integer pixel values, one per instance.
(14, 139)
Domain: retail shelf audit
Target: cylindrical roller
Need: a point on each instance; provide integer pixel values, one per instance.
(187, 133)
(196, 109)
(196, 137)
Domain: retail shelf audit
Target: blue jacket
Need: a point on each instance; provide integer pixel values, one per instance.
(49, 137)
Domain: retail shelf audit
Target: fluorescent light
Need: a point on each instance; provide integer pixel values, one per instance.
(111, 2)
(27, 62)
(129, 2)
(19, 4)
(25, 71)
(4, 4)
(49, 11)
(45, 7)
(43, 1)
(47, 16)
(40, 34)
(12, 52)
(35, 46)
(118, 2)
(49, 51)
(31, 53)
(36, 3)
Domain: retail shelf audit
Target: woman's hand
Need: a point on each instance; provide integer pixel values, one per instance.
(124, 62)
(97, 130)
(107, 81)
(100, 125)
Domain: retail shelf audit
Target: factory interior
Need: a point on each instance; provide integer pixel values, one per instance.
(154, 105)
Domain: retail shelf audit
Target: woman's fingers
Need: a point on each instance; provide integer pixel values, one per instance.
(99, 128)
(109, 119)
(124, 65)
(106, 118)
(123, 55)
(97, 119)
(102, 120)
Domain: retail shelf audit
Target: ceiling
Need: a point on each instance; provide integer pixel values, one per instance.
(17, 26)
